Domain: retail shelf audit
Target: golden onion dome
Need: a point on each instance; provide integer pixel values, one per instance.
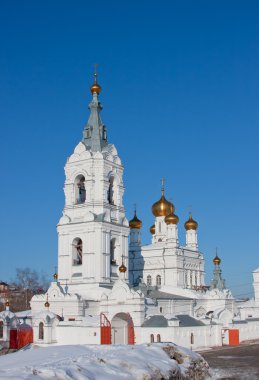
(216, 260)
(7, 304)
(152, 229)
(191, 224)
(122, 268)
(171, 219)
(95, 88)
(135, 222)
(162, 207)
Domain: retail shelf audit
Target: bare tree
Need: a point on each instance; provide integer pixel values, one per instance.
(27, 283)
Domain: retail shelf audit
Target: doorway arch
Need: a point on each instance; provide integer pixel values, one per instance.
(122, 329)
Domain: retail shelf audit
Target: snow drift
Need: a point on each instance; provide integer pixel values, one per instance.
(99, 362)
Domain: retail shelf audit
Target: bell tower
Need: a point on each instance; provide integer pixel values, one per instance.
(93, 230)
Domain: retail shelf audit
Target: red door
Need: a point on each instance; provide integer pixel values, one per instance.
(105, 324)
(24, 337)
(13, 339)
(233, 335)
(131, 334)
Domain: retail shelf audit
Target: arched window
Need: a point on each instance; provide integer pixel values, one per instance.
(1, 329)
(77, 251)
(158, 280)
(41, 330)
(191, 279)
(161, 309)
(149, 280)
(152, 338)
(110, 195)
(104, 133)
(112, 251)
(158, 338)
(192, 338)
(80, 193)
(185, 278)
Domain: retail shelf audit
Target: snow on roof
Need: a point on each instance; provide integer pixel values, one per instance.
(45, 314)
(23, 314)
(157, 294)
(88, 320)
(187, 321)
(149, 301)
(188, 293)
(155, 321)
(7, 314)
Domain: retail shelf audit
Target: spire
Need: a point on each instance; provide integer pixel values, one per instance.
(94, 133)
(135, 223)
(217, 282)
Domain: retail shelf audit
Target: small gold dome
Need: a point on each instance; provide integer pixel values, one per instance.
(46, 304)
(55, 276)
(152, 229)
(191, 224)
(95, 88)
(7, 304)
(135, 222)
(122, 268)
(216, 260)
(171, 219)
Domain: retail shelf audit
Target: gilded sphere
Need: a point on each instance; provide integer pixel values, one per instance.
(7, 304)
(122, 268)
(135, 222)
(171, 219)
(46, 304)
(162, 207)
(95, 88)
(55, 276)
(216, 260)
(152, 229)
(191, 224)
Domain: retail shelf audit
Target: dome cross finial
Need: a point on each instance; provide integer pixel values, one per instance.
(95, 88)
(95, 72)
(162, 185)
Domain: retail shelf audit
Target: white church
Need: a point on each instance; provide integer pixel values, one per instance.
(111, 289)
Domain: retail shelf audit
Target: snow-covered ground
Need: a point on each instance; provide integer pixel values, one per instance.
(100, 362)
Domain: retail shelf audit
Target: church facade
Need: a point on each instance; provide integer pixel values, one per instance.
(109, 288)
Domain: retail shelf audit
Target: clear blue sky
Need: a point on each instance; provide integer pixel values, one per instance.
(180, 96)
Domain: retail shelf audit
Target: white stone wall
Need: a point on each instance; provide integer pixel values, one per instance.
(69, 334)
(247, 331)
(203, 336)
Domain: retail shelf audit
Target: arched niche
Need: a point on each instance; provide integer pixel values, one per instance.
(113, 193)
(77, 252)
(113, 248)
(41, 331)
(80, 191)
